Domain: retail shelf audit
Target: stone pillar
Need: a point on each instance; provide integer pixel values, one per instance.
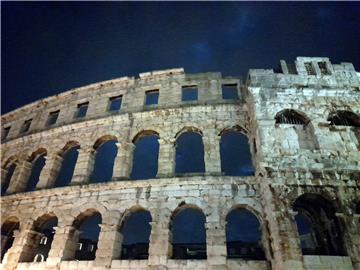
(216, 245)
(109, 245)
(166, 160)
(285, 242)
(64, 244)
(123, 161)
(4, 173)
(160, 248)
(84, 165)
(211, 142)
(20, 177)
(50, 171)
(12, 256)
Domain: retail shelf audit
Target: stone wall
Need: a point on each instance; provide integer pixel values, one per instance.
(288, 163)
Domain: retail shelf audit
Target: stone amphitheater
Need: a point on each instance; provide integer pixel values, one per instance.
(295, 187)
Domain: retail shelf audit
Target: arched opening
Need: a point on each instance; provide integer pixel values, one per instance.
(344, 118)
(136, 231)
(235, 154)
(301, 128)
(318, 227)
(243, 235)
(38, 160)
(189, 156)
(38, 244)
(10, 169)
(87, 226)
(146, 153)
(7, 235)
(106, 152)
(70, 155)
(292, 117)
(188, 234)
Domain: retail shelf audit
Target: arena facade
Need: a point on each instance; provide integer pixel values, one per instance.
(295, 185)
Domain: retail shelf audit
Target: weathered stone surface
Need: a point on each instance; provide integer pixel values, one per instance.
(288, 163)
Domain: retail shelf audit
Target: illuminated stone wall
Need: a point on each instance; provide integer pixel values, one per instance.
(287, 164)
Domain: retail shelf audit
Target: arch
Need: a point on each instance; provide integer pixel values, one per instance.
(146, 154)
(69, 154)
(189, 157)
(344, 118)
(43, 227)
(38, 160)
(243, 235)
(290, 116)
(136, 231)
(9, 166)
(236, 128)
(188, 129)
(105, 154)
(84, 242)
(7, 234)
(188, 232)
(235, 154)
(318, 227)
(9, 161)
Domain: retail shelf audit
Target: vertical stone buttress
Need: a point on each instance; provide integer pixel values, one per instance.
(50, 171)
(123, 161)
(211, 142)
(166, 160)
(160, 248)
(20, 177)
(84, 165)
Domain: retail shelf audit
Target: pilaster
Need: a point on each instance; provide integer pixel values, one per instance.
(50, 171)
(166, 161)
(123, 161)
(84, 165)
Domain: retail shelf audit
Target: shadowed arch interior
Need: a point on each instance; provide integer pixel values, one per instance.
(86, 243)
(42, 235)
(243, 235)
(70, 155)
(235, 154)
(7, 234)
(319, 229)
(189, 157)
(10, 169)
(188, 233)
(290, 116)
(38, 162)
(146, 154)
(105, 155)
(344, 118)
(136, 231)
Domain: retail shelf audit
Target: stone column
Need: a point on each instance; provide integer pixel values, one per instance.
(64, 244)
(166, 160)
(123, 161)
(12, 256)
(216, 245)
(160, 248)
(211, 142)
(4, 173)
(84, 165)
(20, 177)
(109, 245)
(285, 243)
(50, 171)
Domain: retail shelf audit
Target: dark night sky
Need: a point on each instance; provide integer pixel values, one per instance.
(48, 48)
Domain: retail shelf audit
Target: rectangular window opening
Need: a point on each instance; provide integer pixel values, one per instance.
(292, 68)
(5, 132)
(26, 126)
(230, 91)
(53, 116)
(115, 103)
(189, 93)
(310, 68)
(81, 110)
(323, 68)
(152, 97)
